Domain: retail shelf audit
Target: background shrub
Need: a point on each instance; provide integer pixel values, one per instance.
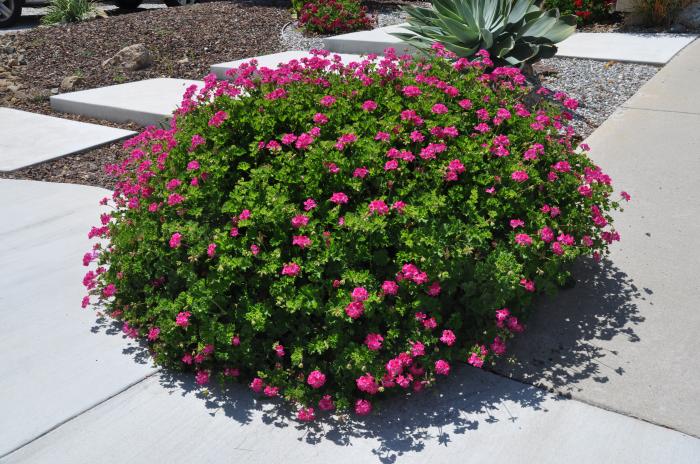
(330, 233)
(334, 16)
(587, 11)
(68, 11)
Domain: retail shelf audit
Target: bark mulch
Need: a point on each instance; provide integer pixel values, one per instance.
(183, 42)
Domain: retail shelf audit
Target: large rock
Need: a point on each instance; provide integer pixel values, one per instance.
(131, 58)
(690, 17)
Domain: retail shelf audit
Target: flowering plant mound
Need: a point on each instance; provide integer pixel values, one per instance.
(334, 16)
(587, 11)
(329, 233)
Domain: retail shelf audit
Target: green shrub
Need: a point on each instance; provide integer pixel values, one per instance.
(68, 11)
(514, 32)
(328, 232)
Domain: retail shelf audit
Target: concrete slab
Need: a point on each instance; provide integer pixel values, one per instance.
(30, 138)
(366, 42)
(624, 337)
(474, 417)
(144, 102)
(675, 86)
(634, 48)
(637, 48)
(273, 61)
(56, 361)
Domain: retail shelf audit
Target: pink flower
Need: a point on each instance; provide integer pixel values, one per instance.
(557, 249)
(434, 289)
(369, 105)
(183, 318)
(363, 407)
(625, 195)
(193, 165)
(211, 250)
(546, 234)
(411, 91)
(417, 349)
(367, 384)
(359, 294)
(85, 302)
(232, 372)
(465, 104)
(299, 221)
(235, 340)
(389, 287)
(109, 290)
(245, 215)
(279, 350)
(439, 108)
(256, 385)
(328, 100)
(173, 184)
(202, 377)
(309, 204)
(355, 309)
(271, 391)
(254, 249)
(291, 269)
(306, 414)
(326, 403)
(523, 239)
(187, 359)
(218, 118)
(515, 223)
(197, 140)
(498, 346)
(398, 206)
(391, 165)
(448, 337)
(339, 198)
(528, 285)
(519, 176)
(316, 379)
(442, 367)
(153, 333)
(374, 341)
(360, 172)
(475, 360)
(378, 207)
(501, 316)
(234, 232)
(302, 241)
(320, 118)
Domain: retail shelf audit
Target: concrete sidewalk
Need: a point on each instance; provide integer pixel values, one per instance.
(625, 338)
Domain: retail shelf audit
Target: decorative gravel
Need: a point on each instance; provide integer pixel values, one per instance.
(599, 86)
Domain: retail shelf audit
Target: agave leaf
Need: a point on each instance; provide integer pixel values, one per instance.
(464, 34)
(521, 53)
(466, 14)
(563, 28)
(487, 38)
(489, 11)
(503, 46)
(446, 8)
(461, 51)
(546, 51)
(539, 26)
(517, 13)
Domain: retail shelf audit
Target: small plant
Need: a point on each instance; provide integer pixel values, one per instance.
(333, 233)
(660, 12)
(334, 16)
(514, 32)
(587, 11)
(68, 11)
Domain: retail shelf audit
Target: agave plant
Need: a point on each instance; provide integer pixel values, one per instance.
(515, 32)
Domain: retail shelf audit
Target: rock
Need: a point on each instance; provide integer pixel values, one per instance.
(690, 17)
(185, 60)
(544, 70)
(68, 83)
(131, 58)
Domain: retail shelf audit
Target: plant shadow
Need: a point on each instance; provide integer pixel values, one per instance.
(556, 352)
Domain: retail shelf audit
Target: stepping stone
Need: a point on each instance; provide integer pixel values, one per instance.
(31, 138)
(633, 48)
(56, 361)
(147, 102)
(366, 42)
(472, 413)
(272, 61)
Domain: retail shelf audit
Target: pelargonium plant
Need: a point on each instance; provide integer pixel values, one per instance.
(334, 16)
(333, 233)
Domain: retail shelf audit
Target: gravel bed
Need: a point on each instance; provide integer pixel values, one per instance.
(601, 87)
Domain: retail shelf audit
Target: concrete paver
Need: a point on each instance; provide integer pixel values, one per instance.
(56, 361)
(30, 138)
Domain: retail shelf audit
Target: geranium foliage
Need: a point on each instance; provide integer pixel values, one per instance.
(332, 233)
